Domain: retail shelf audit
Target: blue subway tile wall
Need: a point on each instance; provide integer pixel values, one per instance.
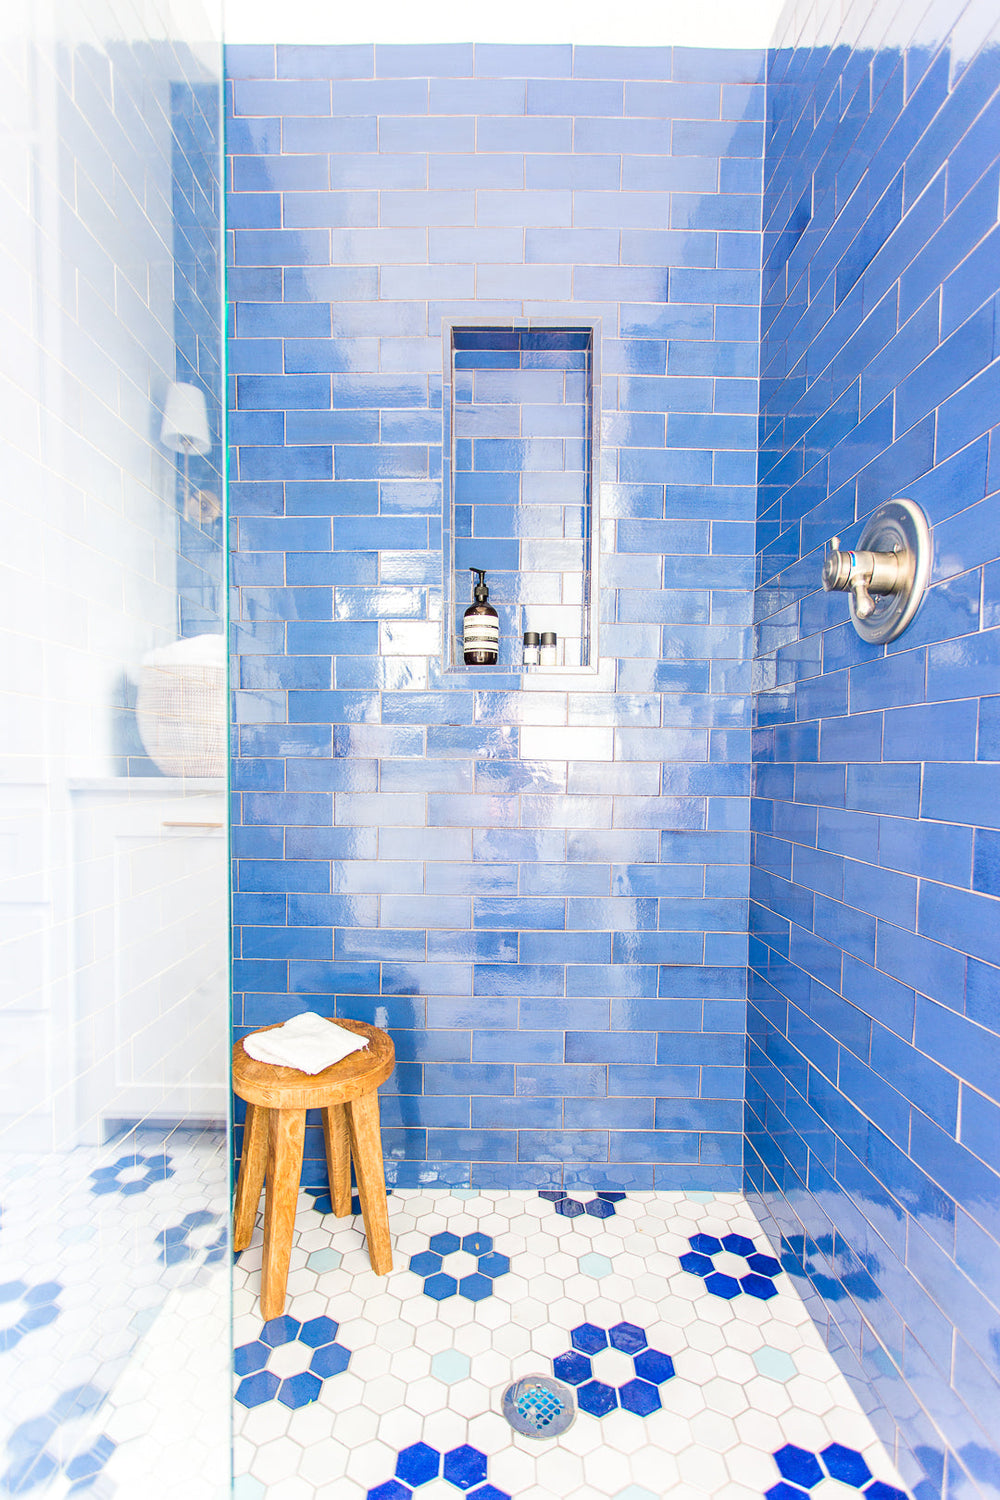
(538, 886)
(874, 1027)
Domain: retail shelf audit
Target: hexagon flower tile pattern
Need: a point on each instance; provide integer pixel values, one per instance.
(681, 1390)
(598, 1352)
(731, 1265)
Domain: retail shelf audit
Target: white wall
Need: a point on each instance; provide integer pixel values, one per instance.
(89, 582)
(626, 23)
(88, 565)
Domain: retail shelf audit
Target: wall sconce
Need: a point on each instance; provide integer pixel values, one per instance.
(185, 430)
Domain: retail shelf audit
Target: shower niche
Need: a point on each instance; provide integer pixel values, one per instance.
(520, 486)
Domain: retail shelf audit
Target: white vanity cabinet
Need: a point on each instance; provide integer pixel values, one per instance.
(151, 964)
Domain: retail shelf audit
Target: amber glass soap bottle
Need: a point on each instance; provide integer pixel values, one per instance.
(481, 627)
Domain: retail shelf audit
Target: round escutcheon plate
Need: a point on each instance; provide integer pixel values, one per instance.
(897, 526)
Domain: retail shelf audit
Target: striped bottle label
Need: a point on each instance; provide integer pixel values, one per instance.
(481, 633)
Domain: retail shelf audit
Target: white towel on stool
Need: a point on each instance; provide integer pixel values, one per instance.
(308, 1042)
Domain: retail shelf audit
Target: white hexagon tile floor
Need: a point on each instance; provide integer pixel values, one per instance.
(114, 1319)
(696, 1369)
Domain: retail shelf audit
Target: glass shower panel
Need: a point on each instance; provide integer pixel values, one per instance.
(114, 1006)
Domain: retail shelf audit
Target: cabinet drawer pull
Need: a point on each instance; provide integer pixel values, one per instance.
(169, 823)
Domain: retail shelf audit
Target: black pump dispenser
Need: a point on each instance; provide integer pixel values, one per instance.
(481, 627)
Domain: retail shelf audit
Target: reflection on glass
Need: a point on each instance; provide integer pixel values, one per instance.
(114, 1365)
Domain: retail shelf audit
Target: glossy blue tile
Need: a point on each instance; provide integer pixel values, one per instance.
(265, 97)
(343, 61)
(709, 338)
(934, 846)
(416, 60)
(245, 60)
(961, 794)
(566, 947)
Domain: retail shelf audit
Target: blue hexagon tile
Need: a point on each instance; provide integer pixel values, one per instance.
(600, 1206)
(57, 1446)
(112, 1316)
(323, 1204)
(24, 1308)
(801, 1472)
(679, 1385)
(201, 1236)
(289, 1362)
(463, 1468)
(467, 1267)
(131, 1174)
(731, 1265)
(600, 1355)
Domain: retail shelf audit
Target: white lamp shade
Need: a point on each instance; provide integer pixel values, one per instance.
(185, 420)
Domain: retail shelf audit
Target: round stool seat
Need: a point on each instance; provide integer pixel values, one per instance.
(275, 1087)
(277, 1099)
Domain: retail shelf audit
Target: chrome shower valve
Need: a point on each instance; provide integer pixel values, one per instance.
(888, 573)
(865, 574)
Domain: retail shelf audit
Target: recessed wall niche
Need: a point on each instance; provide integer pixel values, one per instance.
(520, 485)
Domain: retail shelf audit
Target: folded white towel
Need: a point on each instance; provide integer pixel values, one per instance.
(308, 1042)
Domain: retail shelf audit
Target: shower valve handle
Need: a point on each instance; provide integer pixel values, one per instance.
(887, 575)
(865, 574)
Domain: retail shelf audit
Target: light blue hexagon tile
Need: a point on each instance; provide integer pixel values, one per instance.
(662, 1323)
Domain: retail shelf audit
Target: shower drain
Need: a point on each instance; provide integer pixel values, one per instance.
(538, 1406)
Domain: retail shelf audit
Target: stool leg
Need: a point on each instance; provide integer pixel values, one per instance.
(251, 1178)
(338, 1158)
(284, 1168)
(366, 1148)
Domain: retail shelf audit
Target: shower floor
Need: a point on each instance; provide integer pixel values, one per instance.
(696, 1368)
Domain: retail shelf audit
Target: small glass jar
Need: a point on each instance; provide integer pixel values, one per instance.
(548, 650)
(529, 650)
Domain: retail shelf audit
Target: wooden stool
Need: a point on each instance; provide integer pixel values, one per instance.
(277, 1099)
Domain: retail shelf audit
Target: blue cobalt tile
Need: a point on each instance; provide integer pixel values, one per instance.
(250, 1357)
(318, 1331)
(845, 1464)
(440, 1287)
(464, 1467)
(654, 1367)
(640, 1397)
(300, 1390)
(589, 1339)
(758, 1286)
(280, 1331)
(596, 1398)
(798, 1465)
(391, 1489)
(573, 1367)
(418, 1464)
(256, 1389)
(627, 1337)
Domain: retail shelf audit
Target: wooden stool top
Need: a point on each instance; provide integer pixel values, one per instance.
(276, 1087)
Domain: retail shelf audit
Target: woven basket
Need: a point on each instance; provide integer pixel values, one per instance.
(181, 706)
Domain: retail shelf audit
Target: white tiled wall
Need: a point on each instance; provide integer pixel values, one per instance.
(88, 570)
(113, 938)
